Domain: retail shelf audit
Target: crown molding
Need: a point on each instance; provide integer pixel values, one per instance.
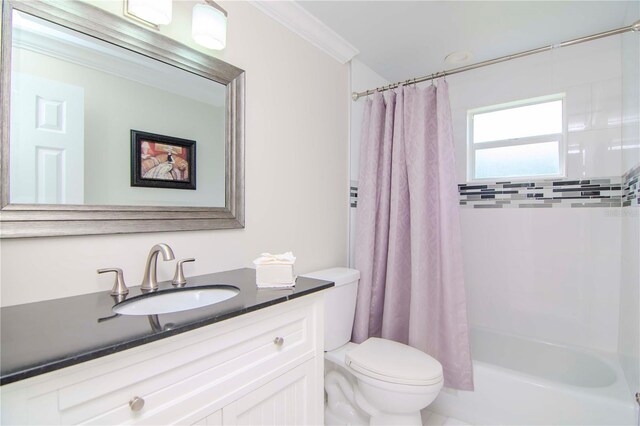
(297, 19)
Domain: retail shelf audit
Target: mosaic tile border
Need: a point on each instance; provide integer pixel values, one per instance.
(353, 194)
(621, 191)
(545, 193)
(631, 187)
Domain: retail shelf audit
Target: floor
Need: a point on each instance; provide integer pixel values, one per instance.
(433, 419)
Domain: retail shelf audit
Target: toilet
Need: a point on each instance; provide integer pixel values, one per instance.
(377, 382)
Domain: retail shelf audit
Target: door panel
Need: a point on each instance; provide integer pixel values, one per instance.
(47, 141)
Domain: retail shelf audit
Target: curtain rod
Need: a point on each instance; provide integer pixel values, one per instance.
(633, 27)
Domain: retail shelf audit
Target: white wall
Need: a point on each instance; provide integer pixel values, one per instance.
(362, 78)
(629, 339)
(548, 274)
(296, 174)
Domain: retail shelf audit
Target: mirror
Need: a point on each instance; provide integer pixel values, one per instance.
(114, 128)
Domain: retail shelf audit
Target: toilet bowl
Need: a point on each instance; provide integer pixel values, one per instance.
(393, 382)
(377, 382)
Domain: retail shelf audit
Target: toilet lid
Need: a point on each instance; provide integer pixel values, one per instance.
(394, 362)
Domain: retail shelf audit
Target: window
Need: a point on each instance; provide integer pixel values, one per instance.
(517, 140)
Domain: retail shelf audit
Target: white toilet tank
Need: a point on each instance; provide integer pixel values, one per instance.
(339, 304)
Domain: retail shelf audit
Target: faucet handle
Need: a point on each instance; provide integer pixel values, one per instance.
(179, 279)
(119, 287)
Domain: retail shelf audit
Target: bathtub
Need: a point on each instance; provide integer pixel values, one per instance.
(520, 381)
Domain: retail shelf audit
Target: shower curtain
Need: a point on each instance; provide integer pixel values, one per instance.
(408, 246)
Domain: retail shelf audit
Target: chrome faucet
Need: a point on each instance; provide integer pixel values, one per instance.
(150, 281)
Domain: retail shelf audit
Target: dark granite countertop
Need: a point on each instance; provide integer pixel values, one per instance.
(40, 337)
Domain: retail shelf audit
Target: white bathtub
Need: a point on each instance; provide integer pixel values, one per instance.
(520, 381)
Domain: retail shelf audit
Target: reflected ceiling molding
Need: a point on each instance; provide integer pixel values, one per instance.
(300, 21)
(40, 37)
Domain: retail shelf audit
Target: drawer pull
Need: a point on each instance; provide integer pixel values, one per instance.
(279, 341)
(136, 403)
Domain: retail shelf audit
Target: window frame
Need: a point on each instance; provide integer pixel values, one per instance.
(528, 140)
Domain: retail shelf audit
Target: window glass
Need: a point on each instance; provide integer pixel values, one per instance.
(538, 159)
(513, 123)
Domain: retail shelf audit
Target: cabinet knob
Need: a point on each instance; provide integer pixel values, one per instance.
(279, 341)
(136, 403)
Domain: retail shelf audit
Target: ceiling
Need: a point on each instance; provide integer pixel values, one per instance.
(405, 39)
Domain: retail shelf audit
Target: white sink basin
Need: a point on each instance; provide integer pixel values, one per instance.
(175, 301)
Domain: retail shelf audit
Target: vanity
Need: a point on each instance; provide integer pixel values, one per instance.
(256, 358)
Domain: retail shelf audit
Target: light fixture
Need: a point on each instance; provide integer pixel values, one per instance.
(154, 12)
(209, 25)
(458, 57)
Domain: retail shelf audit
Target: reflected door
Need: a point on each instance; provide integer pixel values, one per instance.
(47, 141)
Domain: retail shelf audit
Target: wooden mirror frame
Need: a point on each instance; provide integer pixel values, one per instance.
(42, 220)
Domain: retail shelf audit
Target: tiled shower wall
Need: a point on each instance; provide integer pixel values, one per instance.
(629, 335)
(549, 273)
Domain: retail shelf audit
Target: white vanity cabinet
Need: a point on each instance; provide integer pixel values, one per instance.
(263, 367)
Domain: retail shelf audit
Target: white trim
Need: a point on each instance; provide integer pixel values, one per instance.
(303, 23)
(519, 103)
(350, 261)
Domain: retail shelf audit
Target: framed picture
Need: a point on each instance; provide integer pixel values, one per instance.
(159, 161)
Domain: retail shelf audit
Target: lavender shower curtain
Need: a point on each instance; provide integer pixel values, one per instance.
(408, 246)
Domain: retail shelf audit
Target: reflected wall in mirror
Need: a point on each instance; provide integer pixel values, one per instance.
(75, 97)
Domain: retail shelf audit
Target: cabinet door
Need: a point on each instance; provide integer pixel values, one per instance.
(214, 419)
(286, 400)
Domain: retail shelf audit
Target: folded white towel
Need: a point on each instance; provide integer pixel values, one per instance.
(275, 259)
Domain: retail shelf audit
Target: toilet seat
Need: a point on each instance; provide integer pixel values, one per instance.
(394, 362)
